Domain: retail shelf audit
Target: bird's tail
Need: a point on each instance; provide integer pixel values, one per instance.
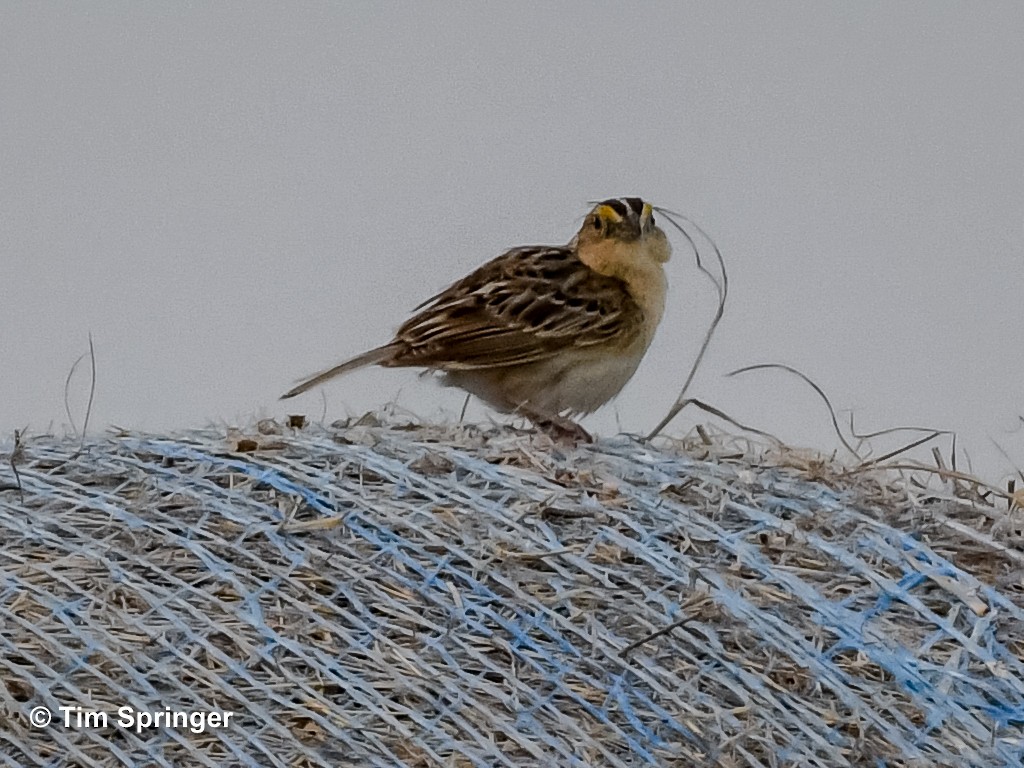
(373, 357)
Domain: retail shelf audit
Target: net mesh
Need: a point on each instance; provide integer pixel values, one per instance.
(386, 594)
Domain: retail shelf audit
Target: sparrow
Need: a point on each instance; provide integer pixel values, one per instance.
(549, 332)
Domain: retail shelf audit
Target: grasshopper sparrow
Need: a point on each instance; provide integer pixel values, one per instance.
(546, 331)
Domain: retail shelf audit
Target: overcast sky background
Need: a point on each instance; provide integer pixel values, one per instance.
(231, 196)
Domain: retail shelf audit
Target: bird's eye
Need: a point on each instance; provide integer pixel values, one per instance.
(597, 222)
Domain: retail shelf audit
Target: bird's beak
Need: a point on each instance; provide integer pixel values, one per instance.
(645, 217)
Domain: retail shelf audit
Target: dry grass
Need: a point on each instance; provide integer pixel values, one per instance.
(400, 594)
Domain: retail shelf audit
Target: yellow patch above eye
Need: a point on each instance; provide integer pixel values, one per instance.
(608, 213)
(647, 212)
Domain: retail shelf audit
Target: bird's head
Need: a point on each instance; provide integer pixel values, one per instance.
(626, 220)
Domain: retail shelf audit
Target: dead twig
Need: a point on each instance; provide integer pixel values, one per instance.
(17, 454)
(707, 408)
(932, 434)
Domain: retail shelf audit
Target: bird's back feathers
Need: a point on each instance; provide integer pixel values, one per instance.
(525, 306)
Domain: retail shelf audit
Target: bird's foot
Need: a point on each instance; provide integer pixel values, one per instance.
(563, 429)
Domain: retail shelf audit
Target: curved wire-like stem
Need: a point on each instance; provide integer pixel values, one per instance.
(865, 463)
(92, 390)
(721, 287)
(812, 385)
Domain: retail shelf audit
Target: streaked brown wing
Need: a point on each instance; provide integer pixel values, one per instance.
(524, 306)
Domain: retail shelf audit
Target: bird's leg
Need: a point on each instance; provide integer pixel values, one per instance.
(559, 427)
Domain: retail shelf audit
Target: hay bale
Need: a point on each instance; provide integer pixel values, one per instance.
(397, 594)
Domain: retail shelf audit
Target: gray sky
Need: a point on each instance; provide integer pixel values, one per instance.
(230, 196)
